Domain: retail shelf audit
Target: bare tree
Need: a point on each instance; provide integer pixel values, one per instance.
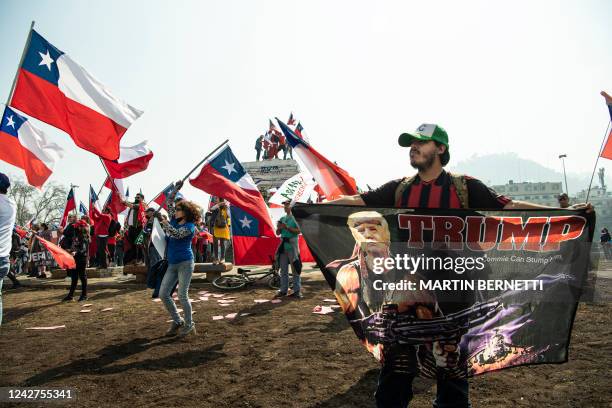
(46, 205)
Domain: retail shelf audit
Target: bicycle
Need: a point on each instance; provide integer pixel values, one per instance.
(247, 277)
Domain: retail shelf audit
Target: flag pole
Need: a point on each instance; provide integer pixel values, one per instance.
(608, 101)
(204, 159)
(106, 170)
(72, 187)
(194, 169)
(27, 44)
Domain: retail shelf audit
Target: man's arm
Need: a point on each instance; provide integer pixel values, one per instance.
(524, 205)
(355, 200)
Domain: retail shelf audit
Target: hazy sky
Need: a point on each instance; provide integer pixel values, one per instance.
(520, 76)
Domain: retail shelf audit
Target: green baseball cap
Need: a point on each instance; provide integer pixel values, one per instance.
(426, 132)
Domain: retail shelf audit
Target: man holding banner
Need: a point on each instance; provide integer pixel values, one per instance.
(432, 187)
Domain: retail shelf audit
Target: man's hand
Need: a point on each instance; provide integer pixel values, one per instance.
(583, 206)
(607, 97)
(178, 185)
(446, 354)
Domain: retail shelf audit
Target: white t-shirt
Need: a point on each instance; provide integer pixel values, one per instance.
(8, 211)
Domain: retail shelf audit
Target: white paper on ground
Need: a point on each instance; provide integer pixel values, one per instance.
(322, 310)
(85, 311)
(261, 300)
(63, 326)
(231, 315)
(217, 317)
(107, 309)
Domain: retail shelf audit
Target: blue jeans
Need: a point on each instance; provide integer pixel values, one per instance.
(182, 272)
(283, 260)
(395, 391)
(5, 266)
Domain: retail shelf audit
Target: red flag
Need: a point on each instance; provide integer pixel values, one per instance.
(21, 232)
(63, 258)
(606, 153)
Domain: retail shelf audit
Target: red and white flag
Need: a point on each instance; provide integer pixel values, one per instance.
(132, 160)
(52, 87)
(26, 147)
(332, 179)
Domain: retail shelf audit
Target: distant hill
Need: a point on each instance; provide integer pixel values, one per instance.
(494, 169)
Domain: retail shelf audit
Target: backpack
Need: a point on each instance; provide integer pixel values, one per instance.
(458, 180)
(220, 221)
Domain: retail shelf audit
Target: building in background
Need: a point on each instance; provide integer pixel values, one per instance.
(544, 193)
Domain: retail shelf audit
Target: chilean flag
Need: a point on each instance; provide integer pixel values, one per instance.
(52, 87)
(132, 160)
(251, 249)
(70, 205)
(93, 199)
(333, 180)
(83, 209)
(224, 176)
(160, 199)
(26, 147)
(291, 120)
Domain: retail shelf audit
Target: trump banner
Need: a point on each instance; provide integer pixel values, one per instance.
(453, 292)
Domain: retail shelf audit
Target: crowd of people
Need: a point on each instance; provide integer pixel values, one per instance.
(271, 145)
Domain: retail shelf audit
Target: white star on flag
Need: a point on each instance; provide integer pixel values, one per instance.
(229, 167)
(10, 122)
(46, 59)
(246, 223)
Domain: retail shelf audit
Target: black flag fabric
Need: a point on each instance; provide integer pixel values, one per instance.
(453, 292)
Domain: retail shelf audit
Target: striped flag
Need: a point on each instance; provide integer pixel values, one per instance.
(52, 87)
(333, 180)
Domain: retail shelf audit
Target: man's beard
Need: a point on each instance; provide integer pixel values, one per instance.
(429, 160)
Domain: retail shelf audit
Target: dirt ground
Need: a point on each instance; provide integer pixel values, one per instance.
(280, 355)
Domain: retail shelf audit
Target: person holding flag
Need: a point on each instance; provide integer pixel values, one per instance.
(431, 187)
(179, 229)
(288, 252)
(102, 222)
(133, 226)
(80, 251)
